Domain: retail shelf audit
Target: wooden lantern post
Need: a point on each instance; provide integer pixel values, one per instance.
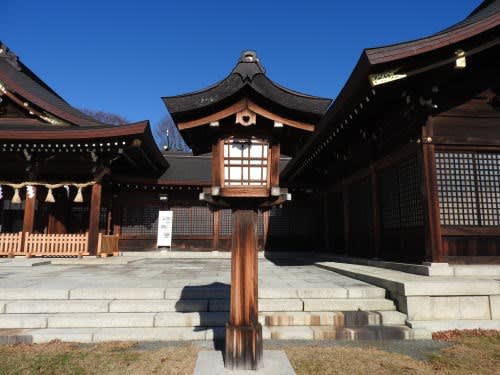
(244, 121)
(244, 332)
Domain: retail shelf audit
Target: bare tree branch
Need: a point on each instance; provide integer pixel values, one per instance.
(105, 117)
(169, 136)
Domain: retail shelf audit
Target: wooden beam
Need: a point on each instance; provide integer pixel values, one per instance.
(217, 163)
(284, 120)
(274, 165)
(246, 191)
(226, 112)
(29, 215)
(240, 106)
(94, 213)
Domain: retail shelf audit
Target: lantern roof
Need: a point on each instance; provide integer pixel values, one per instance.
(246, 87)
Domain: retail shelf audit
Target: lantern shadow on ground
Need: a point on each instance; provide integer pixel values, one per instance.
(218, 296)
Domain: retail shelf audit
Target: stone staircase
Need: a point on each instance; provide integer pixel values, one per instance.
(172, 314)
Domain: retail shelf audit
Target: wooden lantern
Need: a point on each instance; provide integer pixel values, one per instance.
(244, 121)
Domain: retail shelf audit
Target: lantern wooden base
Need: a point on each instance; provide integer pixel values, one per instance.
(243, 332)
(243, 347)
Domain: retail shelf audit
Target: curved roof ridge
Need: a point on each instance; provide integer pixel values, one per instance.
(248, 74)
(294, 92)
(460, 31)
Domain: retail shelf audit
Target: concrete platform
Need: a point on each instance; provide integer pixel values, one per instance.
(435, 303)
(211, 363)
(181, 276)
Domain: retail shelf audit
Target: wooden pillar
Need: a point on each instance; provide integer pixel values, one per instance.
(116, 216)
(94, 211)
(432, 220)
(58, 214)
(345, 199)
(265, 221)
(29, 215)
(274, 164)
(216, 229)
(376, 229)
(243, 332)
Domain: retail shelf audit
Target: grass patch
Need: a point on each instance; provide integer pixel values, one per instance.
(470, 353)
(58, 358)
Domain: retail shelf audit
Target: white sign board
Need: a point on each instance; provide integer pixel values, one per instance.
(165, 219)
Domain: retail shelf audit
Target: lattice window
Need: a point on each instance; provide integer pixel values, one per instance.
(410, 198)
(245, 163)
(400, 195)
(194, 220)
(226, 224)
(389, 197)
(140, 220)
(468, 188)
(488, 187)
(260, 224)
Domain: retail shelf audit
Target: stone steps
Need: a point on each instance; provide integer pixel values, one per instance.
(156, 314)
(195, 319)
(186, 293)
(86, 335)
(195, 305)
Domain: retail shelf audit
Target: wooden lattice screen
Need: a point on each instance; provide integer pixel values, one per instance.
(400, 196)
(194, 220)
(469, 188)
(142, 220)
(225, 222)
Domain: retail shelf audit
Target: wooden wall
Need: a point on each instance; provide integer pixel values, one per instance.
(467, 158)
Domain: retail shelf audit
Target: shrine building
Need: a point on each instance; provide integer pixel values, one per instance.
(404, 165)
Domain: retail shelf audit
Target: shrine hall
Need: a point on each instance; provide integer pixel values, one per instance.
(403, 165)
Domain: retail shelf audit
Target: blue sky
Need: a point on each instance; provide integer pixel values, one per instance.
(122, 56)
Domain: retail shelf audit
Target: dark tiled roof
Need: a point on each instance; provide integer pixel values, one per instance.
(483, 18)
(247, 78)
(26, 84)
(185, 167)
(21, 84)
(484, 10)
